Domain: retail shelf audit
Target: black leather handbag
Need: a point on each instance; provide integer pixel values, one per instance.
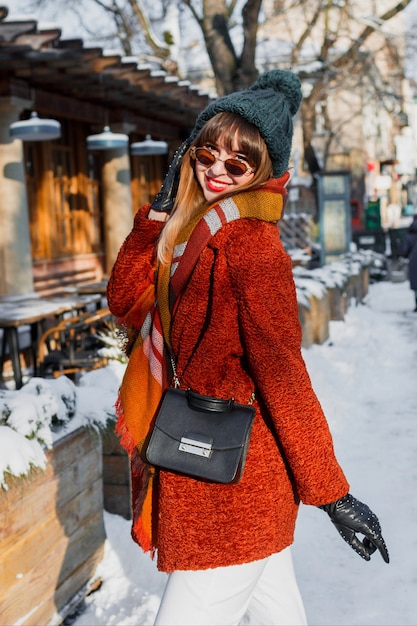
(200, 436)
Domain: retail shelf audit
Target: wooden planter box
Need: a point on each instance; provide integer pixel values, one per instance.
(315, 320)
(51, 532)
(358, 286)
(338, 303)
(333, 305)
(116, 477)
(306, 321)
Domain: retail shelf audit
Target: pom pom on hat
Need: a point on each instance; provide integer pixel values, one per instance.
(284, 82)
(269, 104)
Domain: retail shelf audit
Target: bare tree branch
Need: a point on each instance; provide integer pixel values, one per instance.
(158, 49)
(193, 11)
(304, 36)
(368, 31)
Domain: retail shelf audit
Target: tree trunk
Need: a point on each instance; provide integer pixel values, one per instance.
(232, 72)
(219, 45)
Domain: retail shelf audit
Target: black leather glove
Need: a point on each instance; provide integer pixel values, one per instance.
(165, 198)
(350, 516)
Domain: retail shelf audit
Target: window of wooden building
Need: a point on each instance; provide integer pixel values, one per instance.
(148, 173)
(63, 195)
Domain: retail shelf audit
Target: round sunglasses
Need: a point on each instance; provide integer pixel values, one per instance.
(234, 167)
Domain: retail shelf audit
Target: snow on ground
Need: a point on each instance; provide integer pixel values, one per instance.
(365, 377)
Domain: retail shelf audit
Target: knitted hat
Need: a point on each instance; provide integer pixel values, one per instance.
(269, 104)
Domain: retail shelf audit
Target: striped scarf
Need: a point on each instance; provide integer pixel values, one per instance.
(146, 373)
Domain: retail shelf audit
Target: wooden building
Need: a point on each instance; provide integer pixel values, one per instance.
(65, 210)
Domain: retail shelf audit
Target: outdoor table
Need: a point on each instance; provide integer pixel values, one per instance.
(100, 287)
(73, 302)
(33, 311)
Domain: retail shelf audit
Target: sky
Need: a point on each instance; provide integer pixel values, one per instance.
(365, 378)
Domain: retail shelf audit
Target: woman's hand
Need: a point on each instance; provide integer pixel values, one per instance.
(159, 216)
(350, 516)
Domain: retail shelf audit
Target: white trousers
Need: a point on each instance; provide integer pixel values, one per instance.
(260, 593)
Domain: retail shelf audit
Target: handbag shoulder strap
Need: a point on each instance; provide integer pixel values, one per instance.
(177, 380)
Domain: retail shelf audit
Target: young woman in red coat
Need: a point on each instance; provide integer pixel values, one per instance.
(203, 276)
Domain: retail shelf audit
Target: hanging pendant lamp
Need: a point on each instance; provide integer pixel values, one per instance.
(35, 129)
(148, 147)
(107, 140)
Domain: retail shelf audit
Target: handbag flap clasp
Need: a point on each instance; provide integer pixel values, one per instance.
(196, 444)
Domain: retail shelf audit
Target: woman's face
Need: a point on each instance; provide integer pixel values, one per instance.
(222, 175)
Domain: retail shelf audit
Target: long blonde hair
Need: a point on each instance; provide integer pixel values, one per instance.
(190, 199)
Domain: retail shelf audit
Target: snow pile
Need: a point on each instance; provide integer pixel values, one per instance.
(44, 410)
(315, 282)
(18, 454)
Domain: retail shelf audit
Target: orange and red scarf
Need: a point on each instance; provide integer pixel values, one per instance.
(146, 374)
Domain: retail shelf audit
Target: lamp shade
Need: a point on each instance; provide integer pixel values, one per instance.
(107, 140)
(149, 147)
(35, 129)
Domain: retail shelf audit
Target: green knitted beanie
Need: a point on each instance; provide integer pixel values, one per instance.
(269, 104)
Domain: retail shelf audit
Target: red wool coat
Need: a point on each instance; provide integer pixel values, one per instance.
(253, 339)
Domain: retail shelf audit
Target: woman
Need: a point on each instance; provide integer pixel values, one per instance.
(410, 251)
(226, 309)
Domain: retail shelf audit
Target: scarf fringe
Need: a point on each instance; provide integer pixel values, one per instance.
(121, 430)
(140, 475)
(141, 537)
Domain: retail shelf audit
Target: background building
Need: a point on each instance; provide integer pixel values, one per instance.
(64, 209)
